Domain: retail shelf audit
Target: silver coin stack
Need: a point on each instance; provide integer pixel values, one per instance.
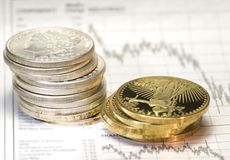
(58, 75)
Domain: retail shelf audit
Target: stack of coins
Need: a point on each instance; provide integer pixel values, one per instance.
(58, 75)
(156, 109)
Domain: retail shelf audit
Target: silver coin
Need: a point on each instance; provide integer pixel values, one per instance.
(83, 83)
(71, 104)
(61, 118)
(89, 121)
(50, 47)
(19, 68)
(57, 91)
(62, 111)
(57, 99)
(62, 77)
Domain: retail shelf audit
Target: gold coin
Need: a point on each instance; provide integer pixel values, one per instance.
(163, 100)
(188, 131)
(139, 134)
(166, 129)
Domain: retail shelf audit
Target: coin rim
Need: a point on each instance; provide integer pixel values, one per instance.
(61, 118)
(73, 104)
(88, 68)
(62, 111)
(137, 135)
(72, 83)
(20, 68)
(170, 128)
(89, 121)
(59, 98)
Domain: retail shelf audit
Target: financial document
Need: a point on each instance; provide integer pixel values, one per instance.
(183, 38)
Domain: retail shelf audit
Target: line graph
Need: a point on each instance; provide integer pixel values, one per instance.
(206, 150)
(218, 93)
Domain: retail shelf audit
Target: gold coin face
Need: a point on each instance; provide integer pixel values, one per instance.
(162, 98)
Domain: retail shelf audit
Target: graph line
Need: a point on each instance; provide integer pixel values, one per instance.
(218, 93)
(163, 147)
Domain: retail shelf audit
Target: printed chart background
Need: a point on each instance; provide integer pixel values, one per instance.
(187, 39)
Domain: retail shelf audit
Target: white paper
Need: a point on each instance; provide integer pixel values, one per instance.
(188, 39)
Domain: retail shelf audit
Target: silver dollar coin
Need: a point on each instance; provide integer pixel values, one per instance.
(71, 104)
(66, 87)
(50, 47)
(19, 68)
(65, 76)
